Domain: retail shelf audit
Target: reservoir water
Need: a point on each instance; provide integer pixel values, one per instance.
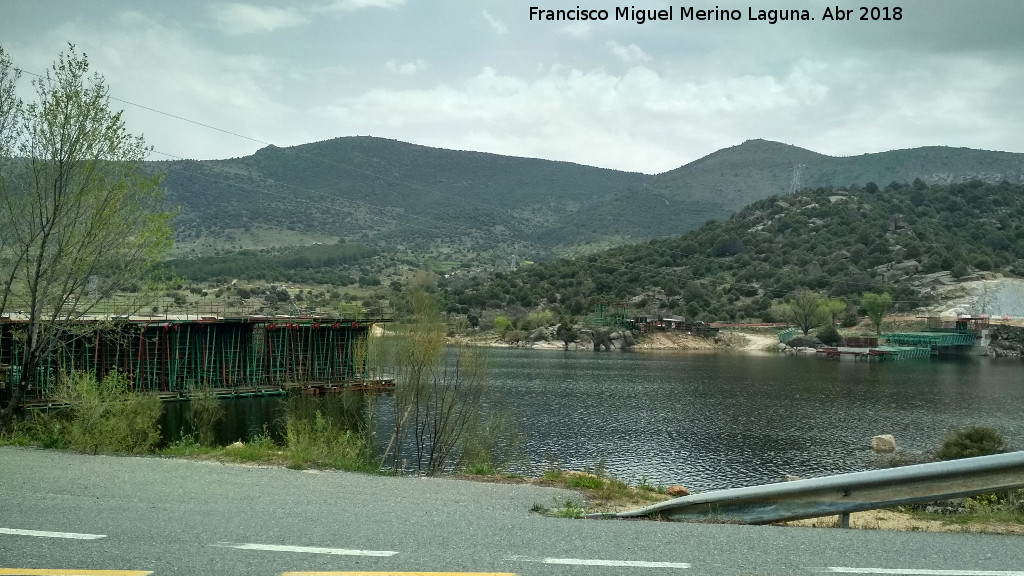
(722, 420)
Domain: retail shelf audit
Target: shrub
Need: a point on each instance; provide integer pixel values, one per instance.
(491, 443)
(328, 433)
(970, 442)
(106, 416)
(850, 318)
(502, 325)
(828, 335)
(204, 411)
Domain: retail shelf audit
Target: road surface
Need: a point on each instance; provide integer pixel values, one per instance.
(67, 514)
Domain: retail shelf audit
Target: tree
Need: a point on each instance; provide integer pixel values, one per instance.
(80, 219)
(833, 309)
(805, 309)
(567, 333)
(502, 325)
(876, 306)
(439, 392)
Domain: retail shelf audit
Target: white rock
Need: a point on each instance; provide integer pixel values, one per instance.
(883, 443)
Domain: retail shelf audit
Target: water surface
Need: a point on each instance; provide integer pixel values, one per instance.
(720, 420)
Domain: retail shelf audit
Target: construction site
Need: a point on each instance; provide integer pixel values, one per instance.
(176, 357)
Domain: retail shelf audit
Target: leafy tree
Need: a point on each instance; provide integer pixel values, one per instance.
(876, 306)
(805, 309)
(538, 319)
(502, 325)
(567, 334)
(833, 309)
(79, 218)
(959, 269)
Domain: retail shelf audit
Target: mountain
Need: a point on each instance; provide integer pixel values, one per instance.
(908, 240)
(471, 206)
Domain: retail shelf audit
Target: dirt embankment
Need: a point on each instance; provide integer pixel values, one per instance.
(898, 521)
(726, 340)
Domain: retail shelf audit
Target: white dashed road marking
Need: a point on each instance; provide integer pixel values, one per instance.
(306, 549)
(596, 562)
(43, 534)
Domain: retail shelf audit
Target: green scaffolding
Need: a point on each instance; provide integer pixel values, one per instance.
(932, 340)
(179, 357)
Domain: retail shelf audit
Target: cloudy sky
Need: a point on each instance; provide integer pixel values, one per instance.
(480, 75)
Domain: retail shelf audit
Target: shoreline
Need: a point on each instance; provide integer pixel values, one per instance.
(668, 340)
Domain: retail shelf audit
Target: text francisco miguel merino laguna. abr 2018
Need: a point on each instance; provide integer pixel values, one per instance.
(689, 13)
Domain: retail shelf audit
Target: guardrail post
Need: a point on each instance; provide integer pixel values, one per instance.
(844, 520)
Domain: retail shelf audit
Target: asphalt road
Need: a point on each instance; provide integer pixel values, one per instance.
(120, 515)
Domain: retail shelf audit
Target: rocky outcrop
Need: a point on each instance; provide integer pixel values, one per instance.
(607, 339)
(898, 270)
(1006, 341)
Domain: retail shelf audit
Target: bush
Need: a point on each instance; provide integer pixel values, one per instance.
(204, 411)
(491, 443)
(828, 335)
(105, 417)
(850, 318)
(328, 432)
(502, 325)
(970, 442)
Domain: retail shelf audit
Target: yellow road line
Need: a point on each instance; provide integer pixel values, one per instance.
(53, 572)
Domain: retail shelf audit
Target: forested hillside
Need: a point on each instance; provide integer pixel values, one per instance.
(842, 242)
(476, 208)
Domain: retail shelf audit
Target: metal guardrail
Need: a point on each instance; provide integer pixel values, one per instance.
(844, 493)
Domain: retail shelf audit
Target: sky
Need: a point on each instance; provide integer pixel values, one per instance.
(481, 75)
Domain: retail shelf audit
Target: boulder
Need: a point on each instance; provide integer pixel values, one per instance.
(883, 443)
(628, 341)
(677, 491)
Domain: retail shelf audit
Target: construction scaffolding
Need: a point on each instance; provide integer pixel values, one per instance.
(177, 357)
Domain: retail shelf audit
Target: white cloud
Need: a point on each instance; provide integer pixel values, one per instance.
(162, 67)
(406, 68)
(638, 120)
(496, 24)
(630, 54)
(349, 5)
(237, 19)
(576, 30)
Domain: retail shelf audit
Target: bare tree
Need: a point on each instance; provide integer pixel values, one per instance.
(438, 395)
(81, 219)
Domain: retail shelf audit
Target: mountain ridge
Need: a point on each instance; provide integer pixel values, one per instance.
(480, 206)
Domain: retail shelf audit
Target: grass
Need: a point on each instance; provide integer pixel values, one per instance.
(981, 509)
(602, 492)
(569, 509)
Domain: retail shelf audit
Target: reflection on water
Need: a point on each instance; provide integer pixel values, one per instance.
(244, 419)
(719, 420)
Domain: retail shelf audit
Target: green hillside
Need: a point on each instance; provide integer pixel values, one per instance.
(839, 242)
(471, 207)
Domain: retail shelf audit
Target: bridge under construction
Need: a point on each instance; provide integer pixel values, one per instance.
(177, 357)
